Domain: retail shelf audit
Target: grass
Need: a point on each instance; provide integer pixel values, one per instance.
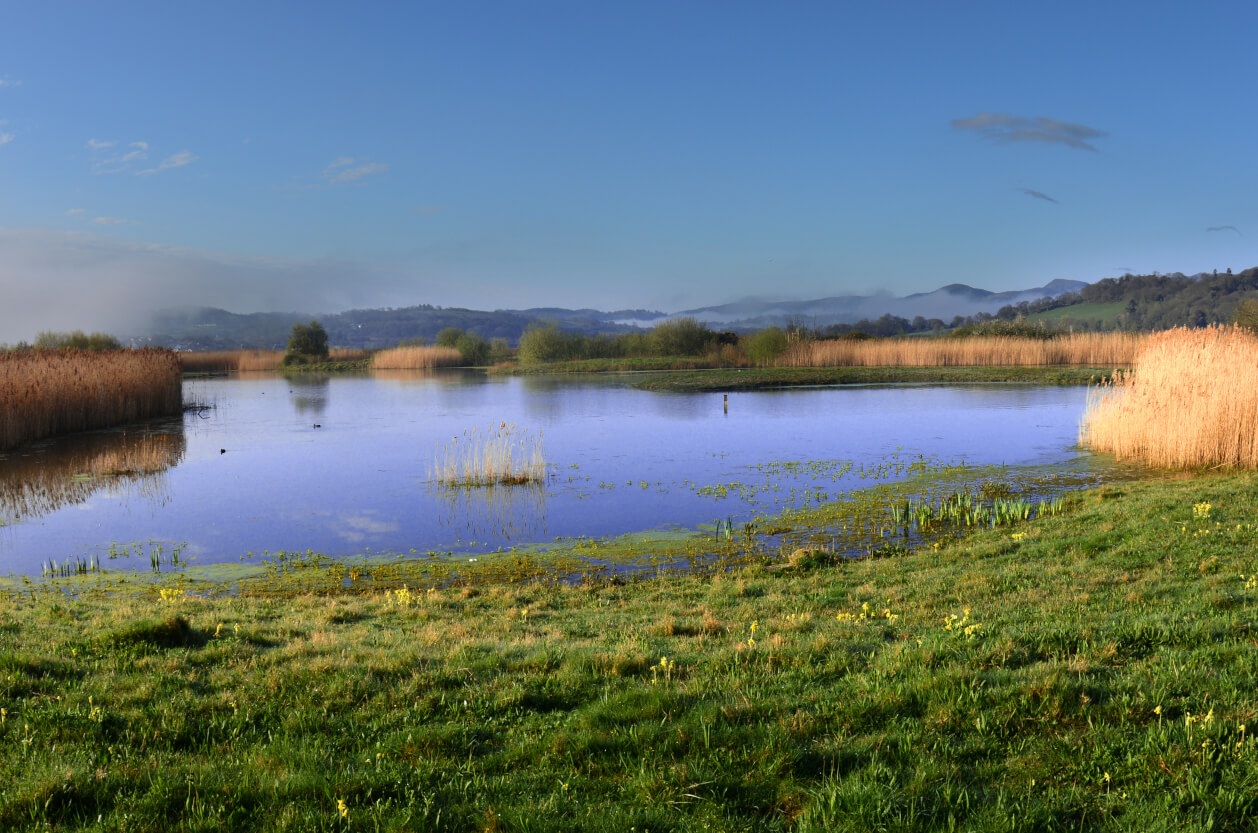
(1191, 402)
(420, 357)
(506, 455)
(50, 392)
(1092, 670)
(1090, 349)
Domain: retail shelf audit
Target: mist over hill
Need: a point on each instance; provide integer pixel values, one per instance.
(209, 328)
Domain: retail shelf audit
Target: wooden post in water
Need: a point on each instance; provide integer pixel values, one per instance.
(727, 403)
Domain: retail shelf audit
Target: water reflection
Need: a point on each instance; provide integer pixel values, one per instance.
(309, 393)
(492, 513)
(45, 477)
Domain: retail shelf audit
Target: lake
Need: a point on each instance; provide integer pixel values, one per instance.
(342, 465)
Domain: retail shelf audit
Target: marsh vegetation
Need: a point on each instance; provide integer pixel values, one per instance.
(1191, 401)
(50, 392)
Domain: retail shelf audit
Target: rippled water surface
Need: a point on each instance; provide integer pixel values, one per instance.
(253, 473)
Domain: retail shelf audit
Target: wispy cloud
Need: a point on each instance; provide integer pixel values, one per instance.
(1039, 195)
(349, 169)
(1004, 128)
(8, 82)
(99, 144)
(70, 212)
(5, 138)
(109, 221)
(1225, 228)
(175, 160)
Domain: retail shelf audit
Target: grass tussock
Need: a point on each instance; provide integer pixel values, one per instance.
(1089, 349)
(507, 454)
(45, 393)
(419, 357)
(1190, 402)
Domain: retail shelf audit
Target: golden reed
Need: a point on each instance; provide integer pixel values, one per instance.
(229, 361)
(416, 358)
(1084, 349)
(44, 393)
(1191, 401)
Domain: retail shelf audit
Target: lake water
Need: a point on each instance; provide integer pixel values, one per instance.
(252, 472)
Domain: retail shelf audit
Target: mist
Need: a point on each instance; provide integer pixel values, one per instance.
(57, 280)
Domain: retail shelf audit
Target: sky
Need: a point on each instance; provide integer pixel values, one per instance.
(317, 157)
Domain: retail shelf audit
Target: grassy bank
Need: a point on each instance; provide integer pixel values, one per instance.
(1093, 670)
(767, 378)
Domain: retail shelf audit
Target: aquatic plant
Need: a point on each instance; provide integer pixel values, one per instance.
(1190, 401)
(507, 454)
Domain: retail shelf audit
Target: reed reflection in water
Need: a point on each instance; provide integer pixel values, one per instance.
(514, 512)
(41, 478)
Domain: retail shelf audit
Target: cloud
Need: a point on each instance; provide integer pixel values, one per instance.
(175, 160)
(1003, 128)
(5, 138)
(1224, 228)
(72, 211)
(109, 221)
(6, 82)
(1039, 195)
(99, 144)
(349, 169)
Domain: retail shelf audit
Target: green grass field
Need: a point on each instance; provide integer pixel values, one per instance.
(1090, 671)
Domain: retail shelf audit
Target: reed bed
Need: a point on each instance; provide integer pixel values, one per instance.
(506, 455)
(348, 354)
(230, 361)
(1191, 401)
(44, 393)
(416, 358)
(1086, 349)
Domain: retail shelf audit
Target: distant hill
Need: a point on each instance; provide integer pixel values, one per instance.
(944, 303)
(206, 328)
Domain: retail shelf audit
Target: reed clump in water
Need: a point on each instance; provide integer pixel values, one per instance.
(1086, 349)
(419, 357)
(1191, 401)
(503, 455)
(44, 393)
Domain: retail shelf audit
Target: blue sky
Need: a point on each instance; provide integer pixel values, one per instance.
(316, 157)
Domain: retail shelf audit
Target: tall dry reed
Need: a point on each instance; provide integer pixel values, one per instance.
(503, 455)
(44, 393)
(230, 361)
(1085, 349)
(416, 358)
(1191, 401)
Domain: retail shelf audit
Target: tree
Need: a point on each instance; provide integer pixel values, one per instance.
(308, 342)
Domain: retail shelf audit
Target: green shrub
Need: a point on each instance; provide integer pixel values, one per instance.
(307, 343)
(765, 346)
